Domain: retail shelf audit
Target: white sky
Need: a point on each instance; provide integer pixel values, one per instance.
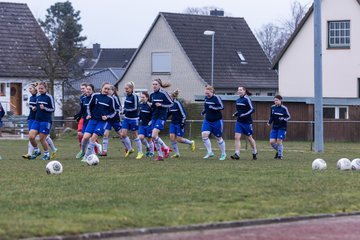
(124, 23)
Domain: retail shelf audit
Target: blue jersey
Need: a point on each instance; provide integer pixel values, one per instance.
(212, 108)
(279, 116)
(177, 112)
(118, 109)
(162, 97)
(101, 105)
(244, 109)
(145, 114)
(84, 103)
(32, 103)
(44, 115)
(131, 106)
(2, 112)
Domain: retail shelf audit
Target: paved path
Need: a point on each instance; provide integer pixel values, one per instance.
(334, 228)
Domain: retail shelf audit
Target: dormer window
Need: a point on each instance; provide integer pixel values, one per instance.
(241, 57)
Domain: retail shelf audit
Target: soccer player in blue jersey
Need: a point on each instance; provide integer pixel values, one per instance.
(279, 116)
(41, 125)
(78, 117)
(131, 119)
(89, 90)
(243, 125)
(145, 129)
(160, 104)
(213, 122)
(112, 122)
(101, 107)
(2, 114)
(177, 125)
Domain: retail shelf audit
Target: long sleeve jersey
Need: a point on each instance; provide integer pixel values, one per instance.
(162, 97)
(84, 103)
(82, 106)
(2, 112)
(145, 114)
(279, 116)
(178, 113)
(101, 105)
(244, 109)
(131, 106)
(212, 108)
(32, 103)
(118, 108)
(44, 115)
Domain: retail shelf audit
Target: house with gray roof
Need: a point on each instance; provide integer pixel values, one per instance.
(176, 50)
(21, 58)
(103, 65)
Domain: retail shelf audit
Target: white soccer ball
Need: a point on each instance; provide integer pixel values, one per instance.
(92, 160)
(54, 167)
(318, 164)
(355, 164)
(343, 164)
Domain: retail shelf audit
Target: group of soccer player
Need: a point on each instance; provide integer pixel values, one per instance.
(145, 117)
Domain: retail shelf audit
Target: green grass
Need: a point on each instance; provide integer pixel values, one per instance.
(128, 193)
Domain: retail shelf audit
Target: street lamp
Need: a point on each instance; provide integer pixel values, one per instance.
(212, 34)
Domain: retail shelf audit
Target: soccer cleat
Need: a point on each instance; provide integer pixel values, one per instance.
(26, 156)
(35, 155)
(147, 153)
(103, 153)
(53, 154)
(193, 146)
(151, 154)
(254, 156)
(167, 152)
(159, 158)
(128, 152)
(222, 157)
(83, 159)
(235, 156)
(208, 155)
(99, 147)
(175, 156)
(45, 157)
(276, 155)
(280, 157)
(80, 155)
(139, 155)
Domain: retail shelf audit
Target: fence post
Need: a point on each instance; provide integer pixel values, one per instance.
(22, 130)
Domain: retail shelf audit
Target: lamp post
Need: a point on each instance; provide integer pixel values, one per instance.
(212, 34)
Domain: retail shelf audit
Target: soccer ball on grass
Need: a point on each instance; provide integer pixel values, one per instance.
(355, 164)
(54, 167)
(343, 164)
(318, 164)
(92, 160)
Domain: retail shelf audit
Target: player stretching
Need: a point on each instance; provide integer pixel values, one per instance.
(279, 116)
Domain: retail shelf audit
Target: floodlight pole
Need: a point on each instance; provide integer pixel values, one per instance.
(212, 34)
(319, 128)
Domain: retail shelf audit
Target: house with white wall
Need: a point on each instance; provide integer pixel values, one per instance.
(21, 56)
(340, 24)
(176, 50)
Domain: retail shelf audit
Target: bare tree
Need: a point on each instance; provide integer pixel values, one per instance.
(201, 11)
(273, 37)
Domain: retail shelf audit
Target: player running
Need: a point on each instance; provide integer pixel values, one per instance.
(145, 129)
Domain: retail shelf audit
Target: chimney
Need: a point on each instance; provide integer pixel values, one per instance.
(95, 50)
(219, 13)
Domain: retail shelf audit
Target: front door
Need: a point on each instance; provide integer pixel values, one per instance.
(15, 98)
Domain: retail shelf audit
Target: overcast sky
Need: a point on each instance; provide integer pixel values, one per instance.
(124, 23)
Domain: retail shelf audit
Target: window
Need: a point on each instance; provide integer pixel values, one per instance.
(2, 89)
(270, 94)
(339, 34)
(336, 112)
(161, 63)
(241, 57)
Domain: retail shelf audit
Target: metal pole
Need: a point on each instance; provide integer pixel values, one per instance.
(212, 59)
(319, 130)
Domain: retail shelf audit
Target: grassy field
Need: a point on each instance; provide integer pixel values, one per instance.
(128, 193)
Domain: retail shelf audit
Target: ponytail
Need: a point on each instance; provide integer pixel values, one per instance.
(163, 85)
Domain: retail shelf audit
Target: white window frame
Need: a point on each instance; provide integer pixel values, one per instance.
(241, 57)
(337, 111)
(161, 62)
(339, 34)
